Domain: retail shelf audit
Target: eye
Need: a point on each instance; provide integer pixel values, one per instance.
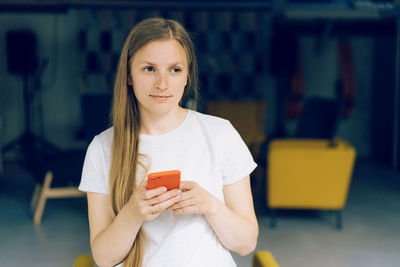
(148, 69)
(176, 70)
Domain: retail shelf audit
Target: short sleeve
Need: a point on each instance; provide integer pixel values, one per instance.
(236, 159)
(93, 172)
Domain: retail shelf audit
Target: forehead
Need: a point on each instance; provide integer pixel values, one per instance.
(161, 52)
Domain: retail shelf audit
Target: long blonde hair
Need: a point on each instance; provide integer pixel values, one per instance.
(126, 117)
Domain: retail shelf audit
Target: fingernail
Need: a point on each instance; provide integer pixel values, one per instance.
(178, 197)
(179, 191)
(164, 189)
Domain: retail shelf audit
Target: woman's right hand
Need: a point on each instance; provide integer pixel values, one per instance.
(146, 205)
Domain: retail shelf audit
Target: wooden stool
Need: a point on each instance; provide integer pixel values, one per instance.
(45, 191)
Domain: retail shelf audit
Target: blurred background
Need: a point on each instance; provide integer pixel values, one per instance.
(319, 78)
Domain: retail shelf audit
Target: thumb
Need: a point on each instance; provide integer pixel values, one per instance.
(187, 185)
(143, 184)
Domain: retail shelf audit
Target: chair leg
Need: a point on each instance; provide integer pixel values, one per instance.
(35, 197)
(37, 217)
(272, 223)
(339, 222)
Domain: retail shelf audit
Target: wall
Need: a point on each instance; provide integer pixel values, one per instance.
(59, 94)
(322, 72)
(57, 35)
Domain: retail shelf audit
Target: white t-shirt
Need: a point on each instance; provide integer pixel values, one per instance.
(207, 150)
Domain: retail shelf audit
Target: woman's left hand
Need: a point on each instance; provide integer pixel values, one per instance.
(194, 199)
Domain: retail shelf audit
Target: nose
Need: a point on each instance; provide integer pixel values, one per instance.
(162, 81)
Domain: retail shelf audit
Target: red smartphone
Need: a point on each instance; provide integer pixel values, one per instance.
(169, 179)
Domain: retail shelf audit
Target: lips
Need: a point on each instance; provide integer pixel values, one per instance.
(161, 96)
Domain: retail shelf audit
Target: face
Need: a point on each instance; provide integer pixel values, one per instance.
(159, 73)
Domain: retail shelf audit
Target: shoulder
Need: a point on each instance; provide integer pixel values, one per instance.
(219, 129)
(102, 142)
(104, 138)
(211, 122)
(97, 161)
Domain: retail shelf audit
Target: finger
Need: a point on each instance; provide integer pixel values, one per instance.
(143, 183)
(187, 210)
(141, 187)
(187, 185)
(185, 203)
(149, 194)
(164, 196)
(186, 195)
(154, 209)
(165, 204)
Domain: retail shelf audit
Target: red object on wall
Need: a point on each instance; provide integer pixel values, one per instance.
(348, 81)
(296, 95)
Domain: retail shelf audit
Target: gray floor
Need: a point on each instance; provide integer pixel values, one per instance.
(370, 237)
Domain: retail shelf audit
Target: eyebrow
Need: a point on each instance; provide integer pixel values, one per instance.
(154, 64)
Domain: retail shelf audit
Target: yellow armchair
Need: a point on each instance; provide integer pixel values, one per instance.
(261, 258)
(309, 174)
(84, 260)
(264, 258)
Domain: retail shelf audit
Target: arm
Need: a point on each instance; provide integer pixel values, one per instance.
(111, 238)
(234, 222)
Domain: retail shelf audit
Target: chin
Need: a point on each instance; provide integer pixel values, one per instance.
(162, 110)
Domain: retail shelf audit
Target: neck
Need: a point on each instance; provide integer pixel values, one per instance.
(161, 124)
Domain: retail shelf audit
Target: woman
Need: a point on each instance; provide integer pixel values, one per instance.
(212, 211)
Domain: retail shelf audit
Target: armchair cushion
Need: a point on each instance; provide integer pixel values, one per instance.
(309, 173)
